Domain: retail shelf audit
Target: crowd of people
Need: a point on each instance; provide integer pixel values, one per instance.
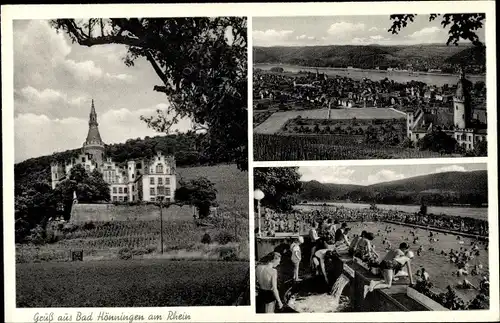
(299, 221)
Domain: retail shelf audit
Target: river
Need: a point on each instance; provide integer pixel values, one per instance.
(477, 213)
(376, 75)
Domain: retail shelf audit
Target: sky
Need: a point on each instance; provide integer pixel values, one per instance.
(367, 175)
(345, 30)
(55, 81)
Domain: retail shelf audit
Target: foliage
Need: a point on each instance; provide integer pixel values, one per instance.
(33, 208)
(437, 141)
(461, 26)
(423, 209)
(224, 237)
(202, 66)
(280, 186)
(481, 149)
(199, 192)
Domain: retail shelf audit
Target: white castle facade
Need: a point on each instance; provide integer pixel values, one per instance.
(145, 179)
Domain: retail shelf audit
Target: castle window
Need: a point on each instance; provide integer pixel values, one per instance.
(120, 190)
(417, 136)
(115, 198)
(55, 175)
(160, 181)
(167, 180)
(153, 199)
(152, 180)
(463, 116)
(121, 198)
(114, 190)
(132, 176)
(152, 191)
(125, 198)
(159, 168)
(161, 190)
(125, 190)
(167, 191)
(83, 159)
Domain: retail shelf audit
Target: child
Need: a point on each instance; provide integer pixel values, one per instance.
(296, 257)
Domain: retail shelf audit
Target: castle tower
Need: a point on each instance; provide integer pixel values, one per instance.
(93, 145)
(461, 103)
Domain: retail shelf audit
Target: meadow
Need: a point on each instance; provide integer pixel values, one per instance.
(272, 147)
(132, 283)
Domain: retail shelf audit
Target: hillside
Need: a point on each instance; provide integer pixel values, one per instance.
(185, 147)
(422, 57)
(435, 189)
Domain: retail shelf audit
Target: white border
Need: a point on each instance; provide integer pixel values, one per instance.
(246, 314)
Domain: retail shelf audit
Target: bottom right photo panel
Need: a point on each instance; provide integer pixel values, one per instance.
(371, 238)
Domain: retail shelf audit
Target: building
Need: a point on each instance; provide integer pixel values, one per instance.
(135, 180)
(462, 120)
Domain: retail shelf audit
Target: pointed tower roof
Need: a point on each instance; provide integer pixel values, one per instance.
(93, 136)
(463, 85)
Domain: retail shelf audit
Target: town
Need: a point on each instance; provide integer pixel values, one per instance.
(376, 112)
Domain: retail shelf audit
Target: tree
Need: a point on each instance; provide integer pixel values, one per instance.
(280, 185)
(481, 149)
(202, 66)
(199, 192)
(462, 26)
(437, 141)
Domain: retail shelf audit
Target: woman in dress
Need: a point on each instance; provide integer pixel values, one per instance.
(267, 283)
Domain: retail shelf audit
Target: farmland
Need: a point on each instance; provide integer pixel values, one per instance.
(132, 283)
(104, 231)
(276, 147)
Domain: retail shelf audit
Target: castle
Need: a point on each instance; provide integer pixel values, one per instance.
(462, 121)
(137, 180)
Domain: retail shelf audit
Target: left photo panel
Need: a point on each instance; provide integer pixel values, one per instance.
(131, 162)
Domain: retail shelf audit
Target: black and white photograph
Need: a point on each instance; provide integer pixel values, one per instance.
(372, 238)
(369, 87)
(131, 162)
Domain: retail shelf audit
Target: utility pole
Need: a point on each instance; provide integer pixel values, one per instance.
(161, 225)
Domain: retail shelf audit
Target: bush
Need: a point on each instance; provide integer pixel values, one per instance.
(225, 237)
(228, 254)
(139, 251)
(206, 239)
(89, 225)
(124, 253)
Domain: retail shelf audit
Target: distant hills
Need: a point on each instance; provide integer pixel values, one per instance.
(421, 57)
(432, 189)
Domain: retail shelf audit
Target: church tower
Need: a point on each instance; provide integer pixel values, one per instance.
(461, 103)
(94, 146)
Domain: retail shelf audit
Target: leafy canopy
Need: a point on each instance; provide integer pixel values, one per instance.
(280, 185)
(201, 64)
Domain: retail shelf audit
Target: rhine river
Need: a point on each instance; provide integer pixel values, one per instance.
(473, 212)
(376, 75)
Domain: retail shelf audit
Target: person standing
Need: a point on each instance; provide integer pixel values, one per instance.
(314, 237)
(267, 284)
(296, 257)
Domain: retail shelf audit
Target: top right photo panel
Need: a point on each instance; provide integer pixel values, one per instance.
(369, 87)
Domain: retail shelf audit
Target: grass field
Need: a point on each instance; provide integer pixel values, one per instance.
(276, 121)
(144, 283)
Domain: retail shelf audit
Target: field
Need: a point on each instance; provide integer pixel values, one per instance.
(278, 119)
(144, 283)
(327, 147)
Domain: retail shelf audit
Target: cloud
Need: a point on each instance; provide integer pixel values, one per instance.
(378, 37)
(450, 168)
(343, 29)
(327, 174)
(384, 175)
(373, 29)
(38, 135)
(270, 37)
(427, 35)
(302, 37)
(53, 103)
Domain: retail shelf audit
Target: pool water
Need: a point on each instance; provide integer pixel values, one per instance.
(439, 267)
